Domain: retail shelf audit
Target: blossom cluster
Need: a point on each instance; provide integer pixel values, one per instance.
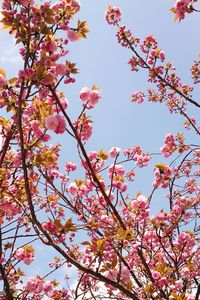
(36, 287)
(169, 145)
(55, 123)
(25, 254)
(113, 15)
(90, 97)
(141, 159)
(162, 175)
(182, 7)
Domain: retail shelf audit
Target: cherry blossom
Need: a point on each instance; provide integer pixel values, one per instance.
(113, 15)
(56, 123)
(90, 211)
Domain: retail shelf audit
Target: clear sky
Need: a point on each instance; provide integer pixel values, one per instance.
(101, 61)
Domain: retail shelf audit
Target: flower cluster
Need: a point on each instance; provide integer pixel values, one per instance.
(141, 159)
(182, 7)
(90, 97)
(115, 170)
(72, 35)
(38, 133)
(116, 174)
(113, 15)
(83, 127)
(169, 145)
(36, 287)
(114, 152)
(56, 123)
(79, 188)
(25, 254)
(149, 42)
(162, 175)
(124, 36)
(138, 97)
(140, 207)
(70, 166)
(196, 71)
(3, 80)
(96, 160)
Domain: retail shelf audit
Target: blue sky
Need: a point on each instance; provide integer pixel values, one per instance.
(101, 61)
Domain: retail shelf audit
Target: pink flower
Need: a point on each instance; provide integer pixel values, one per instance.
(61, 69)
(25, 2)
(93, 155)
(124, 274)
(72, 35)
(56, 123)
(134, 63)
(124, 36)
(162, 55)
(54, 173)
(70, 166)
(2, 81)
(72, 188)
(113, 15)
(185, 238)
(51, 122)
(2, 260)
(19, 253)
(114, 151)
(61, 124)
(48, 286)
(64, 103)
(142, 200)
(49, 226)
(182, 7)
(149, 42)
(90, 97)
(26, 254)
(124, 187)
(94, 97)
(162, 282)
(38, 132)
(138, 97)
(52, 47)
(162, 175)
(2, 138)
(6, 4)
(85, 94)
(83, 127)
(115, 170)
(142, 160)
(119, 169)
(185, 271)
(156, 275)
(34, 285)
(45, 138)
(169, 145)
(34, 125)
(76, 5)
